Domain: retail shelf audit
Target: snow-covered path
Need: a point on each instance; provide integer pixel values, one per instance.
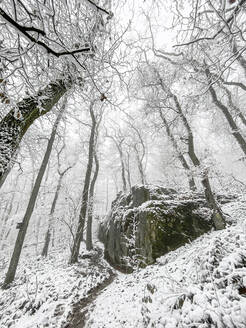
(110, 307)
(197, 285)
(84, 306)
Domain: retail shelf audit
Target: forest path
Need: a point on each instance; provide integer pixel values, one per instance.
(81, 309)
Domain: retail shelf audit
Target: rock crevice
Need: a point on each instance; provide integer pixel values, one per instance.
(149, 222)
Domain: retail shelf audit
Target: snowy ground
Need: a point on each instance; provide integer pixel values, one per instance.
(45, 291)
(200, 285)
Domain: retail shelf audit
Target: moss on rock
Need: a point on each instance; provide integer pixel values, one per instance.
(150, 222)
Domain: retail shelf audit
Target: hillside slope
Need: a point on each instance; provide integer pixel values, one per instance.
(202, 284)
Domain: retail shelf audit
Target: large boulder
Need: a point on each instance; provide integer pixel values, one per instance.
(149, 222)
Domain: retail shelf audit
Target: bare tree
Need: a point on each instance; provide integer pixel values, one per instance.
(139, 147)
(61, 174)
(227, 114)
(22, 226)
(61, 52)
(118, 139)
(180, 155)
(85, 193)
(89, 244)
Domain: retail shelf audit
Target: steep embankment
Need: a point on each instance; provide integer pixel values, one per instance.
(202, 284)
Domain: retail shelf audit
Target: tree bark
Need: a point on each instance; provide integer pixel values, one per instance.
(48, 232)
(128, 171)
(234, 128)
(51, 214)
(181, 157)
(6, 215)
(140, 156)
(32, 201)
(140, 166)
(15, 124)
(218, 218)
(84, 202)
(89, 245)
(118, 145)
(123, 175)
(234, 107)
(239, 57)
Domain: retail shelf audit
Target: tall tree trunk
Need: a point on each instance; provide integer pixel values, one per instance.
(89, 244)
(128, 171)
(7, 213)
(84, 202)
(51, 214)
(118, 143)
(181, 157)
(239, 57)
(140, 155)
(140, 166)
(234, 107)
(24, 224)
(48, 232)
(11, 225)
(15, 124)
(218, 218)
(234, 128)
(123, 175)
(5, 217)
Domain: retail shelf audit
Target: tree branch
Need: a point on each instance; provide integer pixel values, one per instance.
(24, 29)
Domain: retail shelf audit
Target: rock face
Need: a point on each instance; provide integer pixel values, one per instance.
(149, 222)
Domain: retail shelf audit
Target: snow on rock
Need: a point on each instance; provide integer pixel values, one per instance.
(149, 222)
(201, 284)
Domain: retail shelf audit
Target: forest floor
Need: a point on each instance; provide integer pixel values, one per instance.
(200, 285)
(82, 309)
(51, 293)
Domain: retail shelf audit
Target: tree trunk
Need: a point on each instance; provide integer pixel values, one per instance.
(181, 157)
(218, 218)
(123, 175)
(140, 166)
(5, 237)
(5, 216)
(15, 124)
(51, 214)
(239, 57)
(234, 128)
(48, 232)
(84, 202)
(89, 244)
(128, 171)
(234, 107)
(24, 224)
(118, 144)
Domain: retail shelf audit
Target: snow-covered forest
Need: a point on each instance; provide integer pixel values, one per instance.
(122, 163)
